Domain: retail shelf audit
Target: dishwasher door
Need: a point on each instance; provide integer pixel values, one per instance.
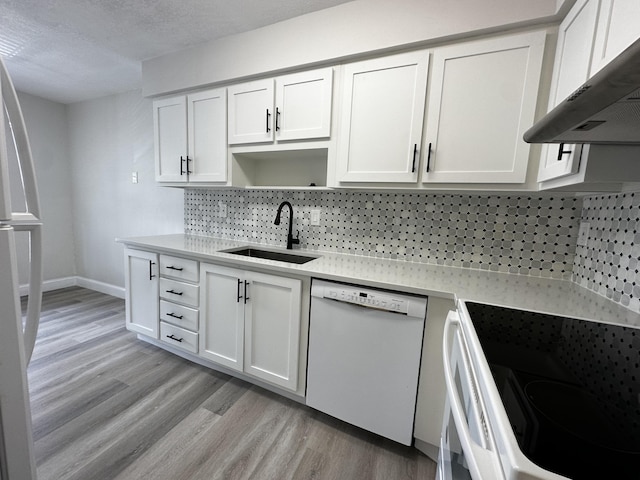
(365, 347)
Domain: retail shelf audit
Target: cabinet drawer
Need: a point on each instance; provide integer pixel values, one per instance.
(177, 267)
(179, 315)
(180, 292)
(179, 337)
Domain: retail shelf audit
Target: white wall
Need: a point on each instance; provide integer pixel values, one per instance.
(335, 34)
(47, 128)
(109, 138)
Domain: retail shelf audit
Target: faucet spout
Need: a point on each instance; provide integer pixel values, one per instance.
(290, 239)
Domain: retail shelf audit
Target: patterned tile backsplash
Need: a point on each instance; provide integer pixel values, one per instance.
(609, 262)
(530, 235)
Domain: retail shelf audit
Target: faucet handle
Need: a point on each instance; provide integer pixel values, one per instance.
(297, 239)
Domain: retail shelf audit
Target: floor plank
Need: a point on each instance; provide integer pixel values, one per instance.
(106, 405)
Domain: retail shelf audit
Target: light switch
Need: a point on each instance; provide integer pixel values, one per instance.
(315, 217)
(222, 210)
(583, 234)
(134, 177)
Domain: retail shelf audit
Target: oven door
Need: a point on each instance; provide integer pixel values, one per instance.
(467, 448)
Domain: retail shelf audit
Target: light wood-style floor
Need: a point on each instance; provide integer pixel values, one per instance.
(108, 406)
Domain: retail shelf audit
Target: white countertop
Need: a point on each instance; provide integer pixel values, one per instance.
(555, 297)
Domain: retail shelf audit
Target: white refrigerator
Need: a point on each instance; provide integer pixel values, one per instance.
(17, 337)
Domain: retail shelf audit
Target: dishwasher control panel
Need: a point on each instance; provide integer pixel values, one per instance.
(366, 298)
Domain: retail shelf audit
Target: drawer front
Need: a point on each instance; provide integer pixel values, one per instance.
(176, 267)
(179, 315)
(179, 337)
(179, 292)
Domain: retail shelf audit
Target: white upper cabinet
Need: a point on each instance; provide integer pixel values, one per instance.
(482, 98)
(291, 107)
(207, 122)
(381, 119)
(170, 138)
(251, 112)
(303, 105)
(618, 27)
(592, 34)
(570, 71)
(190, 137)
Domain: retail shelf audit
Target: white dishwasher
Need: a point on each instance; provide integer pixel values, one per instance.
(365, 347)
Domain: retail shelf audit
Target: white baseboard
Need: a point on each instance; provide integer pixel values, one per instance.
(58, 283)
(428, 449)
(101, 287)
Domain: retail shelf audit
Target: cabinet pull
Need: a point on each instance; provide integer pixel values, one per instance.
(171, 267)
(562, 151)
(268, 115)
(179, 317)
(277, 119)
(151, 275)
(238, 291)
(246, 297)
(174, 292)
(173, 337)
(189, 172)
(182, 160)
(428, 157)
(415, 150)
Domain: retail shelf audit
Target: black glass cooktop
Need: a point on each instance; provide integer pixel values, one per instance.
(571, 389)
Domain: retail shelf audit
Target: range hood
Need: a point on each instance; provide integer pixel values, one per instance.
(606, 109)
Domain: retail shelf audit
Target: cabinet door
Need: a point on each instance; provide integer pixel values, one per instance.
(251, 112)
(272, 329)
(207, 120)
(482, 98)
(618, 27)
(303, 105)
(381, 119)
(141, 283)
(170, 139)
(221, 315)
(570, 71)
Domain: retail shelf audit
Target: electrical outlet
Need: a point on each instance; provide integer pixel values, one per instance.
(134, 177)
(583, 234)
(222, 210)
(315, 217)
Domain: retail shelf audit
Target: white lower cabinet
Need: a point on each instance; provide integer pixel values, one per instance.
(247, 321)
(222, 329)
(141, 283)
(250, 322)
(431, 385)
(179, 302)
(179, 337)
(179, 315)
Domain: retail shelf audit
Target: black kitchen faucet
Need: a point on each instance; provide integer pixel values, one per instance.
(290, 239)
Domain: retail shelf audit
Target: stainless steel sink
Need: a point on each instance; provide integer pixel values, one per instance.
(271, 255)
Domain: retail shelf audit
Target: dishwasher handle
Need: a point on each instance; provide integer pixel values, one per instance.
(482, 459)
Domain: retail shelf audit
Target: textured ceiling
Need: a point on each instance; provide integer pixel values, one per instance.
(73, 50)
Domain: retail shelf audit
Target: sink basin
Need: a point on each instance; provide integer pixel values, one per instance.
(271, 255)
